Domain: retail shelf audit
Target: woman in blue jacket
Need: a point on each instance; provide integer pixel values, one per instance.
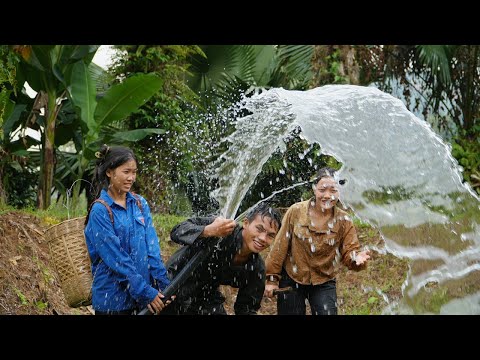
(128, 272)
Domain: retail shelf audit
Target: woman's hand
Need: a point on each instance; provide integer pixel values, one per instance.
(269, 288)
(362, 256)
(157, 304)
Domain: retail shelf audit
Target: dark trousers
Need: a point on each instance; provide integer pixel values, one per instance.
(322, 298)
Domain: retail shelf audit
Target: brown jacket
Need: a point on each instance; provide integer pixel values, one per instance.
(311, 255)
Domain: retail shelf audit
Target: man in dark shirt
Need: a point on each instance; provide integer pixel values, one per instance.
(234, 260)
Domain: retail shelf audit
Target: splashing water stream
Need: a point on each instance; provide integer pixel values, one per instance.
(400, 175)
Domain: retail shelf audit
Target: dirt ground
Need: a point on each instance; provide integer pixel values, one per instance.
(29, 283)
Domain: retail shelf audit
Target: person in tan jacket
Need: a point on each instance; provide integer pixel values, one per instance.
(315, 237)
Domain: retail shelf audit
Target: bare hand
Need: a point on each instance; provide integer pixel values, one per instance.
(157, 304)
(269, 290)
(362, 256)
(219, 228)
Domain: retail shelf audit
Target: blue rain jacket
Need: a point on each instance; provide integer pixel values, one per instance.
(127, 267)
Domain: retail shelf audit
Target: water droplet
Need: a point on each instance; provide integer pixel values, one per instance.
(353, 255)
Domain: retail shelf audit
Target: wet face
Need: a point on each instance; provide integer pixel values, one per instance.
(259, 234)
(326, 193)
(122, 177)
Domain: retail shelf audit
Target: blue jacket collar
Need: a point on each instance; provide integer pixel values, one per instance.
(108, 199)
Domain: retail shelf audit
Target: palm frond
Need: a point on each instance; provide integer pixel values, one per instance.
(437, 58)
(294, 69)
(240, 62)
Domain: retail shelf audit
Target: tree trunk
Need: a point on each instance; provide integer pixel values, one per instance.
(320, 65)
(48, 164)
(335, 64)
(469, 105)
(349, 66)
(3, 196)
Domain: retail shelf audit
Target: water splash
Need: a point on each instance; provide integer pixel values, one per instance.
(255, 139)
(400, 175)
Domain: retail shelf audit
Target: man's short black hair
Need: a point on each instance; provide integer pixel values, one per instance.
(265, 210)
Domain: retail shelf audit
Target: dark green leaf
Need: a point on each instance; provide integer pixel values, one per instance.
(123, 99)
(83, 93)
(135, 135)
(13, 118)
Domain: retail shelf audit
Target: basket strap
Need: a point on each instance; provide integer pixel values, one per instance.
(103, 202)
(106, 205)
(139, 203)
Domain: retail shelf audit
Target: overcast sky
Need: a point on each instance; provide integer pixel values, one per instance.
(103, 56)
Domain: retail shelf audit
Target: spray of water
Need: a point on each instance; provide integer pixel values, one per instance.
(400, 175)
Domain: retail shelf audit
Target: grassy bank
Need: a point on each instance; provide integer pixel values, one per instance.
(365, 292)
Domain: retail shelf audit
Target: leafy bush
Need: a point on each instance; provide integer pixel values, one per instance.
(467, 153)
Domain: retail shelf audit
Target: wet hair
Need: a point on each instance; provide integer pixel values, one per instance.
(326, 172)
(264, 210)
(109, 158)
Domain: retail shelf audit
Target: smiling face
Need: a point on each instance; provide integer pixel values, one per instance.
(259, 233)
(122, 177)
(326, 193)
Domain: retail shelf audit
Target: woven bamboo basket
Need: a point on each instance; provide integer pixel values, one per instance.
(68, 249)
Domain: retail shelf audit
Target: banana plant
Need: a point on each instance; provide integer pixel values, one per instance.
(59, 73)
(47, 69)
(98, 119)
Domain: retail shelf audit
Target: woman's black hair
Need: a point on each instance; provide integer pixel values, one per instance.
(109, 158)
(326, 172)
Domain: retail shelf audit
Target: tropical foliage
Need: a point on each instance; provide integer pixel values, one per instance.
(66, 109)
(167, 158)
(437, 82)
(175, 105)
(229, 72)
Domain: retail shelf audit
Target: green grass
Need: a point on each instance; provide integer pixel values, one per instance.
(359, 224)
(164, 225)
(361, 293)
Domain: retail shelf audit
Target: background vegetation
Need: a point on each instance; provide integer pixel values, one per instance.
(177, 124)
(173, 105)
